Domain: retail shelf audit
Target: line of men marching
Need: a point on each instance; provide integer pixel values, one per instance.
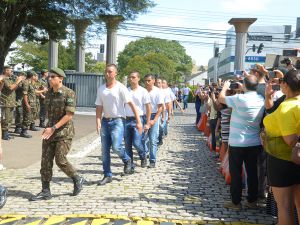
(23, 94)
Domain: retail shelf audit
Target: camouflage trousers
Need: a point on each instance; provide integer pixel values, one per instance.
(28, 117)
(57, 150)
(7, 118)
(42, 111)
(19, 116)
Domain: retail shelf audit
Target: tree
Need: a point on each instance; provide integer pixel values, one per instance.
(171, 52)
(40, 20)
(36, 56)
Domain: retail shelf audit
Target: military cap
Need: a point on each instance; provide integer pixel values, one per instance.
(31, 73)
(7, 67)
(58, 71)
(22, 73)
(44, 71)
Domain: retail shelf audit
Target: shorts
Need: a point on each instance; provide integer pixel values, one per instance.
(282, 173)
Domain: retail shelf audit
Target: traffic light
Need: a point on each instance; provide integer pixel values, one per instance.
(253, 47)
(260, 48)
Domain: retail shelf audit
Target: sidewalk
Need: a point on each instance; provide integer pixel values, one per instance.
(185, 185)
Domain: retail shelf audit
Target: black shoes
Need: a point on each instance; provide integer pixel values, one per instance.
(127, 167)
(78, 182)
(3, 196)
(152, 165)
(144, 163)
(18, 130)
(105, 180)
(45, 194)
(33, 127)
(24, 134)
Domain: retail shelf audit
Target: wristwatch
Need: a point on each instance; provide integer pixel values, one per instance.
(54, 127)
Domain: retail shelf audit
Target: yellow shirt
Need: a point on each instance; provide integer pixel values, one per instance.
(285, 120)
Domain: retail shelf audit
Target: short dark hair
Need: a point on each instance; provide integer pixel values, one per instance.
(292, 79)
(251, 82)
(135, 71)
(149, 75)
(112, 65)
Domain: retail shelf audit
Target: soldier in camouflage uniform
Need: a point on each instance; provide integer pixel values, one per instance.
(57, 137)
(8, 100)
(44, 82)
(19, 106)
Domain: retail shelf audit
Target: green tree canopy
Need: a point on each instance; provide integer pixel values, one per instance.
(163, 57)
(43, 19)
(36, 56)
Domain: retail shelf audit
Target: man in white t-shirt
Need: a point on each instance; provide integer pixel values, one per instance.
(157, 102)
(185, 92)
(110, 115)
(141, 99)
(166, 113)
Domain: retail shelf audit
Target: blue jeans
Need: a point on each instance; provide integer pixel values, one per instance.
(197, 107)
(151, 139)
(185, 101)
(133, 137)
(212, 125)
(112, 133)
(163, 129)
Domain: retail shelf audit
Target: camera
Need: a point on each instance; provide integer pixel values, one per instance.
(286, 61)
(234, 85)
(275, 87)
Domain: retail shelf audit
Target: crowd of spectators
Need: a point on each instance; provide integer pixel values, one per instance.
(255, 119)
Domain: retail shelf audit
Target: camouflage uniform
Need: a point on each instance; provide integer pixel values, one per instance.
(28, 117)
(44, 83)
(19, 105)
(38, 86)
(8, 100)
(59, 144)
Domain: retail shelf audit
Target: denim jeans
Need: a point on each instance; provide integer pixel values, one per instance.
(212, 125)
(197, 107)
(163, 130)
(133, 137)
(150, 139)
(185, 101)
(112, 133)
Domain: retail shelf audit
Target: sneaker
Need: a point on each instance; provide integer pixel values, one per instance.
(251, 205)
(231, 205)
(144, 163)
(152, 165)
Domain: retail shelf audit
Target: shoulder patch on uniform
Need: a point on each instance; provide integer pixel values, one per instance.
(69, 100)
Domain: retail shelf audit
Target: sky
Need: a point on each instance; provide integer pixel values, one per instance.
(175, 19)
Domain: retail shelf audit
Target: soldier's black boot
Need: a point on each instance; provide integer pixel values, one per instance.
(45, 194)
(25, 134)
(5, 135)
(33, 127)
(42, 124)
(78, 182)
(18, 130)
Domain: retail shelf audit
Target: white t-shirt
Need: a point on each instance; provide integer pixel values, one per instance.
(171, 94)
(166, 95)
(175, 90)
(113, 100)
(140, 98)
(156, 98)
(186, 90)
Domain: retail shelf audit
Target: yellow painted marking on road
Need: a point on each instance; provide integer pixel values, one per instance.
(145, 222)
(55, 220)
(8, 221)
(100, 221)
(110, 216)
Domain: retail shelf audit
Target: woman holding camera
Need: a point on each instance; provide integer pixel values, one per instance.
(282, 134)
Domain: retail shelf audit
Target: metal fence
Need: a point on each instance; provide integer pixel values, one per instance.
(85, 86)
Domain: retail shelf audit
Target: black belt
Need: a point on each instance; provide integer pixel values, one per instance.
(130, 117)
(111, 119)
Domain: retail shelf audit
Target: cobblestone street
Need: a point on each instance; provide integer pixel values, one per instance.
(186, 183)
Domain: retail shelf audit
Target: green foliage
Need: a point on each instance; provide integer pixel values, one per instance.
(36, 56)
(158, 56)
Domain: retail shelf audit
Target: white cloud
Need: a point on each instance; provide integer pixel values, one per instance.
(245, 6)
(218, 26)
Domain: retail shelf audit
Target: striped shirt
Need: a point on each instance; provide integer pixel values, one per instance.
(247, 113)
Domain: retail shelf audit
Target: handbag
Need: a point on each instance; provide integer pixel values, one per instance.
(296, 154)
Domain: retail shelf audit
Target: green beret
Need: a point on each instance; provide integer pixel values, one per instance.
(58, 71)
(44, 71)
(22, 73)
(31, 73)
